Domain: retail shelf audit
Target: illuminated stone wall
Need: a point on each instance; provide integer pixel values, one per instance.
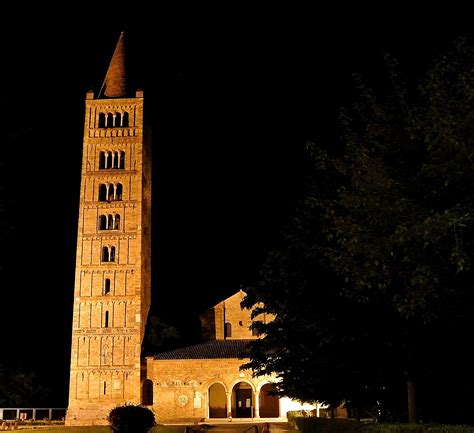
(112, 282)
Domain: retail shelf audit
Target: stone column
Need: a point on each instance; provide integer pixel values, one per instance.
(229, 404)
(257, 405)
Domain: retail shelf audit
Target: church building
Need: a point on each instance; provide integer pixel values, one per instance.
(112, 290)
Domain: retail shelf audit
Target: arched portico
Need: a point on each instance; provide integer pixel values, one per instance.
(268, 404)
(242, 400)
(217, 401)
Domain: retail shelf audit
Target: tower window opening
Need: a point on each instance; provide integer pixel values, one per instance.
(108, 254)
(111, 160)
(103, 192)
(114, 120)
(107, 286)
(103, 160)
(106, 320)
(109, 222)
(118, 192)
(125, 119)
(110, 121)
(116, 225)
(110, 192)
(103, 222)
(105, 387)
(101, 120)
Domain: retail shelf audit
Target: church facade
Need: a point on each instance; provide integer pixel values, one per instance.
(112, 289)
(205, 382)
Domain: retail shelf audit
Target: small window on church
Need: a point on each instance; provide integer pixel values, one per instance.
(227, 330)
(106, 320)
(118, 120)
(105, 387)
(106, 286)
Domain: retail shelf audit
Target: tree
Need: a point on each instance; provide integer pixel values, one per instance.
(160, 336)
(131, 418)
(20, 387)
(377, 258)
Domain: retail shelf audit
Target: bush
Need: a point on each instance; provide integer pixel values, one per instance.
(131, 419)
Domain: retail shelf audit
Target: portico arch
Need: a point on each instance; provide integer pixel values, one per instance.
(242, 400)
(217, 401)
(269, 405)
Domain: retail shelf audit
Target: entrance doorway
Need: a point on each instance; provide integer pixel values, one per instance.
(242, 401)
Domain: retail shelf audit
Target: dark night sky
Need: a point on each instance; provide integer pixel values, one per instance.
(234, 95)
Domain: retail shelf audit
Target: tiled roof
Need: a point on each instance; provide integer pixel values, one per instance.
(213, 349)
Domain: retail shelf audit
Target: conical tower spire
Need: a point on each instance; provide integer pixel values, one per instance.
(115, 84)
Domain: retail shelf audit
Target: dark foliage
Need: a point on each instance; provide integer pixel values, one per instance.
(131, 419)
(372, 286)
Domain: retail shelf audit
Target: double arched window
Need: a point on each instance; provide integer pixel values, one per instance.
(110, 192)
(114, 119)
(108, 254)
(109, 222)
(112, 160)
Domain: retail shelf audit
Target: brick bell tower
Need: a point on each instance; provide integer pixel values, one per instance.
(113, 267)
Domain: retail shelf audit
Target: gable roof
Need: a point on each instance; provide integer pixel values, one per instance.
(213, 349)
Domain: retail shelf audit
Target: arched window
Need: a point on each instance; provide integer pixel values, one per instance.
(125, 119)
(102, 160)
(118, 120)
(227, 330)
(118, 192)
(110, 222)
(108, 254)
(112, 254)
(115, 160)
(101, 120)
(122, 160)
(117, 222)
(105, 254)
(110, 192)
(110, 121)
(107, 286)
(105, 387)
(102, 222)
(106, 320)
(103, 192)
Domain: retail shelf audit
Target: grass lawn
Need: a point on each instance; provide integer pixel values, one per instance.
(98, 429)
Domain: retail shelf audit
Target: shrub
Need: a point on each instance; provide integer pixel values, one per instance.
(131, 419)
